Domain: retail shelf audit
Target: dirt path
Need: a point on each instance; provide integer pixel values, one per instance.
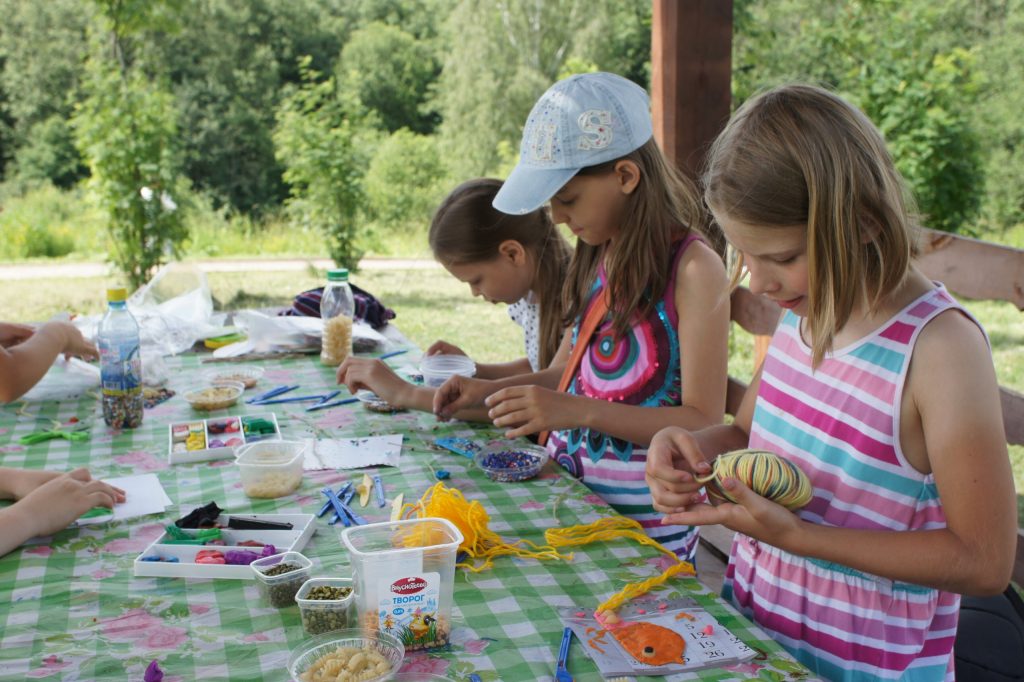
(65, 270)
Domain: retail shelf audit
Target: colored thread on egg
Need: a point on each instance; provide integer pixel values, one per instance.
(764, 472)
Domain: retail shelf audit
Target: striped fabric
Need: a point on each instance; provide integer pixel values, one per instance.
(840, 424)
(638, 368)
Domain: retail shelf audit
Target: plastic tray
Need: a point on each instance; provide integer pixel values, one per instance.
(213, 429)
(293, 540)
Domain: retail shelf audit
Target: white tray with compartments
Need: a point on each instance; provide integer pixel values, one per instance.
(294, 540)
(226, 434)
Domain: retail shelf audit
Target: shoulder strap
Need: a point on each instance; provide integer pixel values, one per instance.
(593, 318)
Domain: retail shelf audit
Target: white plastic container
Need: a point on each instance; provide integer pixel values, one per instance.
(271, 468)
(437, 368)
(404, 573)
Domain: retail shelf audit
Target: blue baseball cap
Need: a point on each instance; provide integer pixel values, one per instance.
(583, 120)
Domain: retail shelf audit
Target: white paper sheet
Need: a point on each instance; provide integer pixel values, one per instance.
(144, 495)
(352, 453)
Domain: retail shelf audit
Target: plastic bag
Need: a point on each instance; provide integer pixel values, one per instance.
(174, 310)
(270, 334)
(65, 380)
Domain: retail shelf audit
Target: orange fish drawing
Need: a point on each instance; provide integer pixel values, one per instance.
(651, 644)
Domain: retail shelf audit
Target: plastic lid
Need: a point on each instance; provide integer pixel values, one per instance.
(117, 294)
(337, 275)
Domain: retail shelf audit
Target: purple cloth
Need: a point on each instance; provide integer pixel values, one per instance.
(368, 308)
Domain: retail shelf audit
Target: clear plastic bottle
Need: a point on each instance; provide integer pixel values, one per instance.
(337, 306)
(120, 363)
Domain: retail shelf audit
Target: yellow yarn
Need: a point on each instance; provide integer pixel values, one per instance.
(613, 528)
(479, 541)
(765, 473)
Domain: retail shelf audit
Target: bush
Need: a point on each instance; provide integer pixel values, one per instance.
(43, 221)
(404, 183)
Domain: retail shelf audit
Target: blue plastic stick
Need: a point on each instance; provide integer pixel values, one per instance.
(378, 487)
(271, 393)
(393, 354)
(336, 403)
(327, 505)
(346, 497)
(339, 508)
(328, 396)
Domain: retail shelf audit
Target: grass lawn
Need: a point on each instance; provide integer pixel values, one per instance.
(432, 305)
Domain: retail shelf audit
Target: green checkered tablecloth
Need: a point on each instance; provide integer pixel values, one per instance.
(72, 608)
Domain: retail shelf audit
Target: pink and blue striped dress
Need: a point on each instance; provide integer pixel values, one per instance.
(840, 424)
(639, 368)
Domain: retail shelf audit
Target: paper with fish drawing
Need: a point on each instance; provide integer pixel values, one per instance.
(657, 638)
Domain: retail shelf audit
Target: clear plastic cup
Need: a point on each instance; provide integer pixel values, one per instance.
(404, 573)
(279, 589)
(437, 368)
(270, 468)
(324, 615)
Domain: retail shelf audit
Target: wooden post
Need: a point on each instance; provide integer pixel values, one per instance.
(691, 70)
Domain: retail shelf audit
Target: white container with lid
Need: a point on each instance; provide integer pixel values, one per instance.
(404, 573)
(437, 368)
(271, 468)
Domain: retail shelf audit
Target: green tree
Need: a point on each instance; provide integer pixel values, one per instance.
(501, 56)
(999, 121)
(42, 51)
(390, 71)
(125, 129)
(404, 183)
(906, 63)
(227, 64)
(324, 143)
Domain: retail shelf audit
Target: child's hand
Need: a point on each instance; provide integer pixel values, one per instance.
(75, 344)
(674, 460)
(373, 375)
(459, 393)
(56, 503)
(523, 410)
(12, 334)
(751, 514)
(21, 482)
(444, 348)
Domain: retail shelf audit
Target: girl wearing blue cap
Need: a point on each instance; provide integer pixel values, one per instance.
(646, 298)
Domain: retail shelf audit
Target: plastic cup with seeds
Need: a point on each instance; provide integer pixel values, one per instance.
(325, 604)
(280, 576)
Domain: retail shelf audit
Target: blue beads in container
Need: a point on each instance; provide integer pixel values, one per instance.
(510, 463)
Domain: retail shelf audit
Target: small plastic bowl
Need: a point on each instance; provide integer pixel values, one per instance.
(348, 642)
(247, 375)
(374, 403)
(214, 396)
(510, 463)
(325, 615)
(279, 590)
(437, 368)
(270, 468)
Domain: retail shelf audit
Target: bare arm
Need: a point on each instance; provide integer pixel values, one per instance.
(48, 502)
(24, 364)
(702, 299)
(958, 419)
(500, 370)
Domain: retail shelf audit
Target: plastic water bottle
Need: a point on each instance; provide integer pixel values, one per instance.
(337, 307)
(120, 363)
